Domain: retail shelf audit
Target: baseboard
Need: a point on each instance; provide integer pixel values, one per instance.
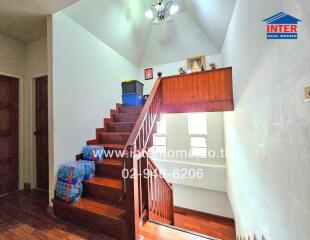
(216, 218)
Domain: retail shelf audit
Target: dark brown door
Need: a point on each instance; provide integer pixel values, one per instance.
(8, 134)
(42, 133)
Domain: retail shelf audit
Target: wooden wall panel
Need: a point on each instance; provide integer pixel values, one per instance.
(204, 91)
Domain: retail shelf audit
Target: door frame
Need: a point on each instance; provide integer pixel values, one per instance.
(33, 180)
(20, 127)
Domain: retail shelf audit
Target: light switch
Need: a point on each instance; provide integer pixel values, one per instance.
(307, 93)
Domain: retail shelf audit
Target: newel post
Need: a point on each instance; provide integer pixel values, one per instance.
(129, 188)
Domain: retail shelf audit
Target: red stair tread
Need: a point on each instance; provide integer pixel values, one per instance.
(121, 123)
(112, 146)
(101, 208)
(116, 133)
(114, 162)
(106, 182)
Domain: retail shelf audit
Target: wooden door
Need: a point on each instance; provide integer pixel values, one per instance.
(8, 134)
(42, 133)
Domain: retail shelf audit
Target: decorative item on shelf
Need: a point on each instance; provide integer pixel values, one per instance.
(196, 64)
(161, 11)
(181, 71)
(212, 66)
(148, 73)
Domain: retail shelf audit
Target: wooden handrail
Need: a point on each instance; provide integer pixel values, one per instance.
(137, 190)
(139, 124)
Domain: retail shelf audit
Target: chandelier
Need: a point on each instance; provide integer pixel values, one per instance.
(161, 11)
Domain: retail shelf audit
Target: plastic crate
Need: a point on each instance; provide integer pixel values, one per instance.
(133, 86)
(132, 99)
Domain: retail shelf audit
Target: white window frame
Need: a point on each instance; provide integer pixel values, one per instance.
(198, 135)
(161, 133)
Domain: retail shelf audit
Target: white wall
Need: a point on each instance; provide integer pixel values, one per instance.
(172, 69)
(178, 138)
(86, 83)
(210, 189)
(119, 24)
(12, 56)
(213, 202)
(35, 66)
(267, 136)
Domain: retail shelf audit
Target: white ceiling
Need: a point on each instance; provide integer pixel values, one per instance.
(25, 20)
(200, 28)
(176, 41)
(213, 16)
(118, 23)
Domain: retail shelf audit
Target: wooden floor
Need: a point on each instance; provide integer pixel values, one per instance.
(152, 231)
(23, 216)
(206, 225)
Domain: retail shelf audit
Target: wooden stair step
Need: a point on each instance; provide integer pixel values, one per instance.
(113, 137)
(104, 217)
(126, 117)
(106, 182)
(103, 189)
(124, 109)
(112, 146)
(120, 126)
(111, 161)
(109, 168)
(112, 150)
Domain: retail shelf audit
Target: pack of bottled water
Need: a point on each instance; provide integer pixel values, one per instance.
(89, 168)
(69, 192)
(93, 152)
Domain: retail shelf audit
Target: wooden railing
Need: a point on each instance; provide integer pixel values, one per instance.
(160, 196)
(148, 194)
(137, 188)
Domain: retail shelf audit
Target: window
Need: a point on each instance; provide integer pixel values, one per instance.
(197, 123)
(159, 139)
(198, 147)
(160, 144)
(197, 131)
(162, 125)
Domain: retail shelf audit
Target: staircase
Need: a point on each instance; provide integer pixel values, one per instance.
(100, 207)
(121, 207)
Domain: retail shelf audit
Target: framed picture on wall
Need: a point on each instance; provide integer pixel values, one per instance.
(196, 64)
(148, 73)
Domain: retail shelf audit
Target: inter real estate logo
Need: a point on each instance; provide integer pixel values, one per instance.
(282, 26)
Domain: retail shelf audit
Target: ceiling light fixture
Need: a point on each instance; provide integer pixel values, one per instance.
(161, 11)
